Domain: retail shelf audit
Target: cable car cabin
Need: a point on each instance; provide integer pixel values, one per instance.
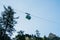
(28, 16)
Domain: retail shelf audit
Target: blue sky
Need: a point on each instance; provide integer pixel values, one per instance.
(48, 10)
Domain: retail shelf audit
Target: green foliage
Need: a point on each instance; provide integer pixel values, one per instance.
(3, 36)
(7, 23)
(8, 20)
(33, 37)
(21, 32)
(37, 33)
(20, 37)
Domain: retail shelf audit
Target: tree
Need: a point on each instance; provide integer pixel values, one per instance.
(53, 37)
(8, 20)
(21, 32)
(45, 38)
(37, 33)
(20, 35)
(3, 36)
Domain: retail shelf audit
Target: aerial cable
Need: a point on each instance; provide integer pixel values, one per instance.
(28, 16)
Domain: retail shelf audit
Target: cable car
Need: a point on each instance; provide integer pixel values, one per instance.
(28, 16)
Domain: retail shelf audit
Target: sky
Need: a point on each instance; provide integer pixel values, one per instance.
(45, 15)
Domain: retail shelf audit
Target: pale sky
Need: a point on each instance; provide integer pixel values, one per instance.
(48, 10)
